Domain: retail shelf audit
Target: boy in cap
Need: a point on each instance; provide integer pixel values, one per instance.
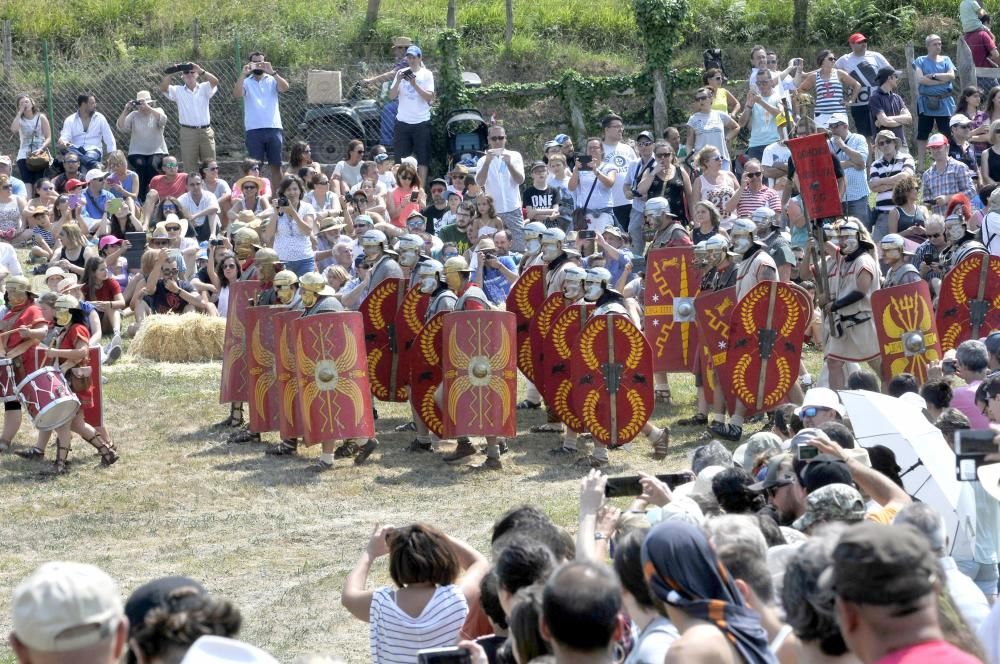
(886, 583)
(68, 612)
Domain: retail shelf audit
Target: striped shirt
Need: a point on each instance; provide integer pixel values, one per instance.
(397, 637)
(829, 94)
(881, 168)
(751, 200)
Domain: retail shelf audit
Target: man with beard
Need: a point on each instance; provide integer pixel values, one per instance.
(458, 233)
(894, 254)
(439, 205)
(786, 496)
(756, 265)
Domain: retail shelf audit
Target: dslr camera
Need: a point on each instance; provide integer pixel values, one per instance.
(282, 201)
(971, 448)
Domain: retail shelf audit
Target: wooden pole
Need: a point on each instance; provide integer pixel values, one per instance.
(911, 78)
(660, 111)
(451, 14)
(195, 39)
(508, 36)
(371, 15)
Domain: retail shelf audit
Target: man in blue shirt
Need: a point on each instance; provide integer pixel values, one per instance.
(259, 86)
(935, 105)
(495, 273)
(616, 252)
(95, 199)
(17, 187)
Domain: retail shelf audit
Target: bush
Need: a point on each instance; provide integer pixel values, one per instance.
(831, 22)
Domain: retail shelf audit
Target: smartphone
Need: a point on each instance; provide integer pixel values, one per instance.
(805, 452)
(630, 485)
(451, 655)
(74, 200)
(137, 248)
(586, 235)
(639, 265)
(414, 195)
(930, 259)
(975, 442)
(949, 368)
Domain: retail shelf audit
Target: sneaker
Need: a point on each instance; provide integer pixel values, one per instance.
(591, 461)
(112, 355)
(726, 431)
(409, 426)
(490, 464)
(562, 451)
(696, 420)
(345, 451)
(365, 451)
(465, 449)
(417, 446)
(321, 465)
(284, 448)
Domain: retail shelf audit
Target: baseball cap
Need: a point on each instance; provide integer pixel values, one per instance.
(95, 174)
(73, 183)
(834, 502)
(65, 606)
(856, 38)
(648, 135)
(106, 241)
(757, 443)
(779, 473)
(936, 141)
(4, 159)
(876, 564)
(611, 229)
(440, 181)
(379, 158)
(220, 650)
(884, 73)
(821, 397)
(549, 145)
(536, 165)
(823, 471)
(959, 118)
(151, 595)
(836, 118)
(415, 51)
(561, 138)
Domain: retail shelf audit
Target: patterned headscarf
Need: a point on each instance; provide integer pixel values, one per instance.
(683, 571)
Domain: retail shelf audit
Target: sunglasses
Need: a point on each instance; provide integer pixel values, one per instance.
(170, 164)
(884, 143)
(249, 187)
(213, 168)
(229, 266)
(963, 126)
(497, 139)
(716, 158)
(830, 58)
(702, 98)
(644, 144)
(160, 243)
(172, 272)
(664, 155)
(173, 228)
(810, 411)
(754, 175)
(322, 183)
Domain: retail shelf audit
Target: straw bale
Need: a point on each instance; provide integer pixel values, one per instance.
(190, 337)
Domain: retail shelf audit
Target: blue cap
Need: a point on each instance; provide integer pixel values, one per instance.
(415, 52)
(561, 138)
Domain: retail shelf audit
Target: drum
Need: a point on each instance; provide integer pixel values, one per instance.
(8, 383)
(48, 399)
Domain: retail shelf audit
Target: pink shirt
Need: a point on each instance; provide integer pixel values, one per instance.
(929, 652)
(964, 399)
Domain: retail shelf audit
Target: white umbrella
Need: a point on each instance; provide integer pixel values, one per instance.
(926, 460)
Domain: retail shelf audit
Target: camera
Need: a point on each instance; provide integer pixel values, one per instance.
(216, 242)
(451, 655)
(586, 235)
(406, 73)
(949, 367)
(584, 160)
(930, 259)
(971, 448)
(359, 262)
(805, 452)
(489, 255)
(282, 201)
(631, 486)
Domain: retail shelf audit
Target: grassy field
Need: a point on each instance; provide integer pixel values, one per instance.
(268, 533)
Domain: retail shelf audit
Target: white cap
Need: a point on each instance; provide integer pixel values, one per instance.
(822, 397)
(65, 606)
(220, 650)
(959, 118)
(95, 174)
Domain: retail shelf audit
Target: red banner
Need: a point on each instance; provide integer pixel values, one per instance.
(817, 180)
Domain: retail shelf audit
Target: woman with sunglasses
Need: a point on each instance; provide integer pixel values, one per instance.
(827, 85)
(223, 269)
(301, 157)
(668, 180)
(248, 194)
(324, 201)
(406, 197)
(45, 195)
(347, 172)
(907, 216)
(707, 126)
(722, 99)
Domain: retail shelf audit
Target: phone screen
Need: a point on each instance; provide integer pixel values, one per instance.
(630, 486)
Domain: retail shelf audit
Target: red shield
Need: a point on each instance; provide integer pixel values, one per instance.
(969, 303)
(714, 309)
(817, 179)
(409, 320)
(672, 283)
(94, 413)
(907, 337)
(262, 364)
(386, 369)
(613, 379)
(334, 396)
(480, 374)
(525, 298)
(539, 329)
(426, 373)
(765, 345)
(556, 383)
(235, 386)
(289, 422)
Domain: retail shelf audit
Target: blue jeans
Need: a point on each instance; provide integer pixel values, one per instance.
(90, 158)
(859, 208)
(301, 267)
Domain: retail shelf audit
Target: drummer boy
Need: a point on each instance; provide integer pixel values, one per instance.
(21, 327)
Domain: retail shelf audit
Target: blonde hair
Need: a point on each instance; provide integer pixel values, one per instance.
(74, 238)
(704, 154)
(337, 271)
(117, 158)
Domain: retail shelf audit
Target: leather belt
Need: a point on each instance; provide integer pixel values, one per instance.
(192, 127)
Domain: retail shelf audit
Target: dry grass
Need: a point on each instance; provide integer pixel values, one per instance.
(268, 533)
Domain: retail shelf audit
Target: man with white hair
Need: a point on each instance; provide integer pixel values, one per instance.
(68, 613)
(968, 598)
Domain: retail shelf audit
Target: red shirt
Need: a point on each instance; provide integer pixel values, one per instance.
(107, 291)
(29, 315)
(981, 43)
(929, 652)
(69, 341)
(175, 189)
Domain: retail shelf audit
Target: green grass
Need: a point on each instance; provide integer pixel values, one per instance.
(268, 533)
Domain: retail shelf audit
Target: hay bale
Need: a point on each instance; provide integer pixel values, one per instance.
(189, 337)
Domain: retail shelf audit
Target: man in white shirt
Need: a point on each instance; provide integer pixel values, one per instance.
(619, 154)
(414, 87)
(87, 133)
(197, 138)
(259, 86)
(200, 207)
(863, 66)
(500, 173)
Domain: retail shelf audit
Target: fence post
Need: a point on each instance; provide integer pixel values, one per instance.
(8, 51)
(576, 116)
(195, 39)
(451, 14)
(911, 78)
(48, 83)
(660, 109)
(508, 36)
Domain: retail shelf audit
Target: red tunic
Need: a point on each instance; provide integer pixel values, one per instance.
(28, 315)
(69, 340)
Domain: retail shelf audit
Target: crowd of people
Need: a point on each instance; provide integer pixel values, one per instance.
(758, 555)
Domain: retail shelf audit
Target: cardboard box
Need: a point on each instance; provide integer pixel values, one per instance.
(323, 87)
